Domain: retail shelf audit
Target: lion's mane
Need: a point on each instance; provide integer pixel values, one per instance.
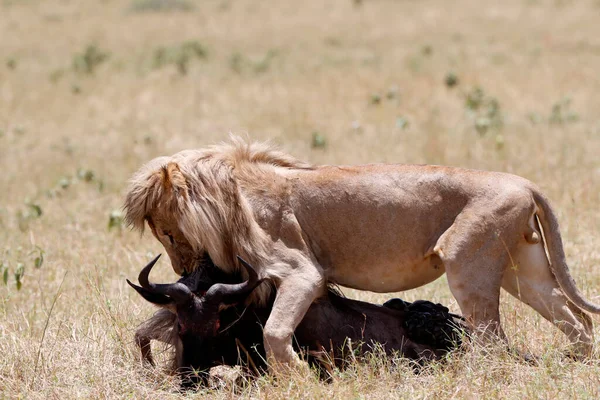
(201, 189)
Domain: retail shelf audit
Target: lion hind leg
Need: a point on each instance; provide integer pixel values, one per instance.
(474, 259)
(478, 296)
(531, 281)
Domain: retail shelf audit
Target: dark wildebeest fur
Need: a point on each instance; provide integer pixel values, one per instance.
(206, 334)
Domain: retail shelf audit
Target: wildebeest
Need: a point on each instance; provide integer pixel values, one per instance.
(209, 334)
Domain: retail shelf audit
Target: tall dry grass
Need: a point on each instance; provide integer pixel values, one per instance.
(91, 90)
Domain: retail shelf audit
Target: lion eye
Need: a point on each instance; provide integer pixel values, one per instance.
(169, 236)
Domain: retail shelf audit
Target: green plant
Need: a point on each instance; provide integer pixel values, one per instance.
(24, 216)
(86, 175)
(75, 88)
(264, 63)
(20, 259)
(4, 272)
(39, 259)
(392, 92)
(451, 79)
(179, 55)
(35, 210)
(499, 141)
(115, 220)
(238, 62)
(534, 118)
(561, 112)
(401, 122)
(161, 5)
(474, 98)
(375, 99)
(56, 75)
(89, 59)
(64, 182)
(19, 274)
(484, 110)
(318, 141)
(11, 63)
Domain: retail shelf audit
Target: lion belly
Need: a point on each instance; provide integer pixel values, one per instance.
(386, 278)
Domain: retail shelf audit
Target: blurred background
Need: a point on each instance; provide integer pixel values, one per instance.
(90, 90)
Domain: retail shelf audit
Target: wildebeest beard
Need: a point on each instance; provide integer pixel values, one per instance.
(227, 332)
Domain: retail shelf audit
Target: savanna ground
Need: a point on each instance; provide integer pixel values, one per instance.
(91, 90)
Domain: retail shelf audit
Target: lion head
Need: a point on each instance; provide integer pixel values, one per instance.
(193, 203)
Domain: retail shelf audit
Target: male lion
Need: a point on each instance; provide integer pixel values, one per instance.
(383, 228)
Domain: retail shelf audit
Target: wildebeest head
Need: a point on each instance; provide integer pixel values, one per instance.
(198, 320)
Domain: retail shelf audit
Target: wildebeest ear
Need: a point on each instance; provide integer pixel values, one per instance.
(154, 298)
(172, 178)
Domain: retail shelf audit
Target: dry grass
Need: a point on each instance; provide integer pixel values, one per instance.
(354, 73)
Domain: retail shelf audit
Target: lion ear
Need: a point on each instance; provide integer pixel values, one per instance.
(172, 178)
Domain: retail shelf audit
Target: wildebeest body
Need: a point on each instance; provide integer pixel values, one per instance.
(334, 328)
(334, 325)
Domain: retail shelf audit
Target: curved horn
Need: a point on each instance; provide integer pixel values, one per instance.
(252, 275)
(232, 293)
(145, 272)
(177, 291)
(154, 298)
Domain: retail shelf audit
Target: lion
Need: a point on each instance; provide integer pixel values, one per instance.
(378, 227)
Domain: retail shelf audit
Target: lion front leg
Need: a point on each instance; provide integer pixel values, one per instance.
(295, 294)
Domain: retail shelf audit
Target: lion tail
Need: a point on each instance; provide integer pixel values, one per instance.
(558, 261)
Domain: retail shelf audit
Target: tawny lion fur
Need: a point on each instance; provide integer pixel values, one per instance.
(383, 228)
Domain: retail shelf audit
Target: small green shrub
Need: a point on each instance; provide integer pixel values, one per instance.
(115, 220)
(4, 272)
(179, 55)
(87, 61)
(160, 5)
(19, 274)
(11, 63)
(451, 79)
(86, 175)
(75, 88)
(561, 112)
(20, 257)
(318, 141)
(56, 75)
(32, 211)
(236, 62)
(264, 64)
(401, 123)
(239, 63)
(392, 93)
(484, 110)
(375, 99)
(39, 259)
(66, 181)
